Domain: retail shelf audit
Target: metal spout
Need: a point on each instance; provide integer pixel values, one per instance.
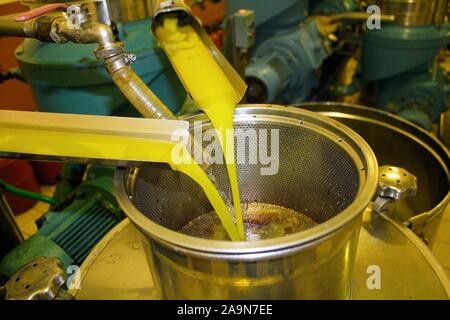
(177, 8)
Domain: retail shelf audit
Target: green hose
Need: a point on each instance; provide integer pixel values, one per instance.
(27, 194)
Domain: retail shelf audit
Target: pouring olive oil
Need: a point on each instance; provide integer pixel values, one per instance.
(210, 88)
(94, 137)
(76, 136)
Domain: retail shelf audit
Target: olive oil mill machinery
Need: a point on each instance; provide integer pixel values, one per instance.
(303, 86)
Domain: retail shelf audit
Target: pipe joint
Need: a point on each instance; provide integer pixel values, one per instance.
(88, 32)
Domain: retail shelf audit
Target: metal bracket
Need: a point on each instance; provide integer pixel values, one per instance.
(41, 279)
(394, 184)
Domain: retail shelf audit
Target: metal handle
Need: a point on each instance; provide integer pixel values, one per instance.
(41, 279)
(394, 184)
(25, 16)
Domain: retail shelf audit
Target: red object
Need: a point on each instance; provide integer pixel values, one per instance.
(212, 13)
(47, 172)
(14, 94)
(218, 37)
(20, 174)
(25, 16)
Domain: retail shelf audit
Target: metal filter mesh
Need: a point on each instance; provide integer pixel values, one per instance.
(317, 179)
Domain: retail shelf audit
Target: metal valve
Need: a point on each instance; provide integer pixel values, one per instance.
(41, 279)
(394, 184)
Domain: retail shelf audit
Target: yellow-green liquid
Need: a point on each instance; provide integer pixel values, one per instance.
(95, 146)
(211, 90)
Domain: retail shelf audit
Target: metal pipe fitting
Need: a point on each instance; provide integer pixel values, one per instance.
(138, 93)
(117, 63)
(56, 27)
(39, 28)
(89, 32)
(10, 27)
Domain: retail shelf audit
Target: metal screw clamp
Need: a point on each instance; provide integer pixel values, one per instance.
(112, 50)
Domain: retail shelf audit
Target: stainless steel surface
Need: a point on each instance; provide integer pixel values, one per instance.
(401, 143)
(394, 184)
(162, 8)
(106, 11)
(444, 128)
(326, 172)
(117, 268)
(261, 220)
(41, 279)
(415, 12)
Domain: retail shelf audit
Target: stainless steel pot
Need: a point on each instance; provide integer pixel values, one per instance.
(117, 268)
(327, 174)
(401, 143)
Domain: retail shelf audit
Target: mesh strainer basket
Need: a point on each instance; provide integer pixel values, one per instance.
(301, 222)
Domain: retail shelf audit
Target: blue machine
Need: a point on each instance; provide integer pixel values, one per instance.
(289, 49)
(68, 78)
(283, 68)
(330, 7)
(398, 63)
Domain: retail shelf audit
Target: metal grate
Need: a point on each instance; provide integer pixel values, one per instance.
(317, 179)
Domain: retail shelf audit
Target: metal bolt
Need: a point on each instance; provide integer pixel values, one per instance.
(129, 58)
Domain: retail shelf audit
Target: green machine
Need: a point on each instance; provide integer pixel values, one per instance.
(68, 78)
(71, 229)
(399, 60)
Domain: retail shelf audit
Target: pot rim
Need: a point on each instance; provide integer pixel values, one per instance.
(394, 122)
(304, 238)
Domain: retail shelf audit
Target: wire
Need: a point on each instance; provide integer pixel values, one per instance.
(27, 194)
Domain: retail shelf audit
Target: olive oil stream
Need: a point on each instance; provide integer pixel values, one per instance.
(96, 146)
(209, 87)
(211, 90)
